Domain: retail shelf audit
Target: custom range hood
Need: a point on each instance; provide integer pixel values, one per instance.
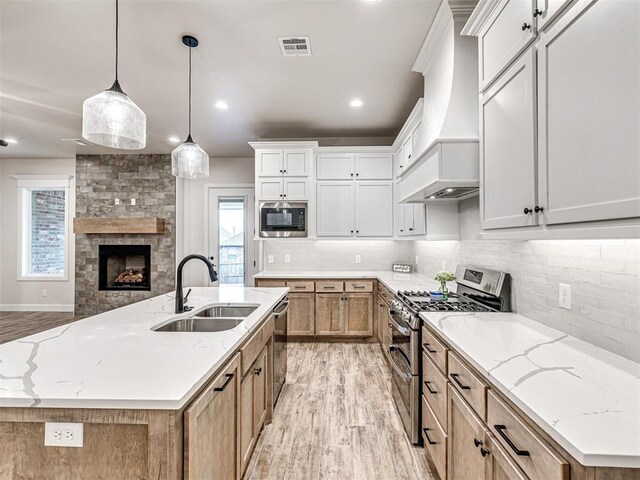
(448, 166)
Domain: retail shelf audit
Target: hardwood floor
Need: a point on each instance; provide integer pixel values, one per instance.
(14, 325)
(336, 420)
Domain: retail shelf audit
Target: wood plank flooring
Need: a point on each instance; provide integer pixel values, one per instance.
(336, 419)
(14, 325)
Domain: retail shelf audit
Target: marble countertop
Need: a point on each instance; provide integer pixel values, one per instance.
(394, 281)
(115, 360)
(586, 398)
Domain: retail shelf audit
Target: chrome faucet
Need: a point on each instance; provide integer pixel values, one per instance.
(212, 274)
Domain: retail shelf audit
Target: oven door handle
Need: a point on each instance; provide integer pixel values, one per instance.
(405, 375)
(284, 305)
(397, 326)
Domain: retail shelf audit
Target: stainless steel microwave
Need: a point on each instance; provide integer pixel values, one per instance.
(280, 219)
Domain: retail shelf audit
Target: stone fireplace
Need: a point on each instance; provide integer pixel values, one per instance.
(100, 180)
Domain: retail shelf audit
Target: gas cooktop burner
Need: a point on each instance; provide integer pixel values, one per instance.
(420, 301)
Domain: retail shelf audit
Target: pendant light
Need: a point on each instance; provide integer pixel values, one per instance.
(112, 119)
(189, 160)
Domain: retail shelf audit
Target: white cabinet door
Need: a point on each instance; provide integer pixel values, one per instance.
(407, 153)
(547, 10)
(374, 209)
(296, 189)
(269, 163)
(335, 166)
(374, 166)
(507, 150)
(405, 219)
(397, 158)
(504, 38)
(270, 189)
(419, 222)
(417, 141)
(589, 107)
(334, 209)
(296, 163)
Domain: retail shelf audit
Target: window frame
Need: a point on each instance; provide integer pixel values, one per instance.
(25, 185)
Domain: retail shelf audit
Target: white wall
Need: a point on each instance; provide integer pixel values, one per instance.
(604, 276)
(191, 210)
(27, 295)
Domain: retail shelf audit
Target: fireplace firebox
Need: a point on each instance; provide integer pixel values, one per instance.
(124, 267)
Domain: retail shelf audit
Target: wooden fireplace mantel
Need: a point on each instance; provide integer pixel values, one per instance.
(118, 225)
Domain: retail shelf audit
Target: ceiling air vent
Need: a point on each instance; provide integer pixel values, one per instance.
(295, 46)
(75, 141)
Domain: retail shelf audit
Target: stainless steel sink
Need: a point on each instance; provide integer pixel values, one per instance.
(199, 324)
(217, 318)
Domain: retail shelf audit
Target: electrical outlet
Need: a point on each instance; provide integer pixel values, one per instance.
(564, 296)
(117, 201)
(133, 201)
(417, 260)
(287, 259)
(269, 258)
(63, 434)
(44, 292)
(358, 259)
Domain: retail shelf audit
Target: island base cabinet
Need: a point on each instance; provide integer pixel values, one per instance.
(211, 429)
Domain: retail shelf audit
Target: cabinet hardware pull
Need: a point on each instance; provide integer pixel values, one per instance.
(455, 376)
(433, 392)
(538, 209)
(527, 211)
(351, 231)
(224, 385)
(300, 286)
(281, 171)
(357, 174)
(258, 371)
(426, 347)
(411, 229)
(357, 231)
(329, 287)
(525, 26)
(477, 442)
(537, 12)
(381, 305)
(484, 452)
(409, 156)
(500, 429)
(426, 435)
(390, 325)
(284, 171)
(352, 174)
(401, 230)
(358, 286)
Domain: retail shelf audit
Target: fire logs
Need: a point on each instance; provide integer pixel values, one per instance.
(130, 276)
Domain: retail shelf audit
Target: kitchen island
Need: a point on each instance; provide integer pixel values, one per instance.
(139, 393)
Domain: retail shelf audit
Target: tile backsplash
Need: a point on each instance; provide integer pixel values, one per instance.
(604, 276)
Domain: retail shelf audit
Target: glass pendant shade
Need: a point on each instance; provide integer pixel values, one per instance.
(112, 119)
(189, 161)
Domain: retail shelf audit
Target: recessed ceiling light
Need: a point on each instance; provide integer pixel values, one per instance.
(432, 197)
(221, 105)
(449, 190)
(370, 1)
(356, 102)
(174, 139)
(11, 140)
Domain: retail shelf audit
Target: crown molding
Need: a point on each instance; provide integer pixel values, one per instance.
(440, 25)
(462, 9)
(483, 11)
(284, 144)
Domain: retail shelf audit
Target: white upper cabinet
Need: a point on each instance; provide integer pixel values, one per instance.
(374, 209)
(335, 166)
(407, 153)
(295, 189)
(296, 163)
(374, 166)
(509, 32)
(589, 108)
(270, 189)
(547, 10)
(507, 148)
(269, 163)
(334, 217)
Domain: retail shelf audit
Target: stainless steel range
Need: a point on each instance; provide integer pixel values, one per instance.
(478, 290)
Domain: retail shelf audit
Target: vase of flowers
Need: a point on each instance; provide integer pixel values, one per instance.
(443, 277)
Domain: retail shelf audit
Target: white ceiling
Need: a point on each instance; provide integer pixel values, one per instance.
(56, 53)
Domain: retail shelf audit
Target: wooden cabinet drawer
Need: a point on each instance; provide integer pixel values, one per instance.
(532, 454)
(472, 389)
(300, 286)
(500, 465)
(434, 349)
(351, 286)
(434, 389)
(249, 352)
(268, 282)
(330, 287)
(435, 439)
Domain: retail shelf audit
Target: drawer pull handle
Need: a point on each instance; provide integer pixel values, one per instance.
(526, 26)
(537, 12)
(455, 376)
(484, 452)
(426, 435)
(300, 286)
(258, 371)
(224, 385)
(329, 287)
(358, 286)
(428, 385)
(500, 429)
(426, 347)
(477, 442)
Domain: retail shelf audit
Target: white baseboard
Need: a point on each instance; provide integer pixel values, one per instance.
(35, 307)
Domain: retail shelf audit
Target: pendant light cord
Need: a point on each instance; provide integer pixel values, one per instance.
(117, 18)
(190, 91)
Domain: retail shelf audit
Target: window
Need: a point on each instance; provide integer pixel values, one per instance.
(43, 227)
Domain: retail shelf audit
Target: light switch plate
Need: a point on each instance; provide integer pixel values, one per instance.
(63, 434)
(269, 258)
(358, 258)
(564, 296)
(133, 201)
(117, 201)
(287, 259)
